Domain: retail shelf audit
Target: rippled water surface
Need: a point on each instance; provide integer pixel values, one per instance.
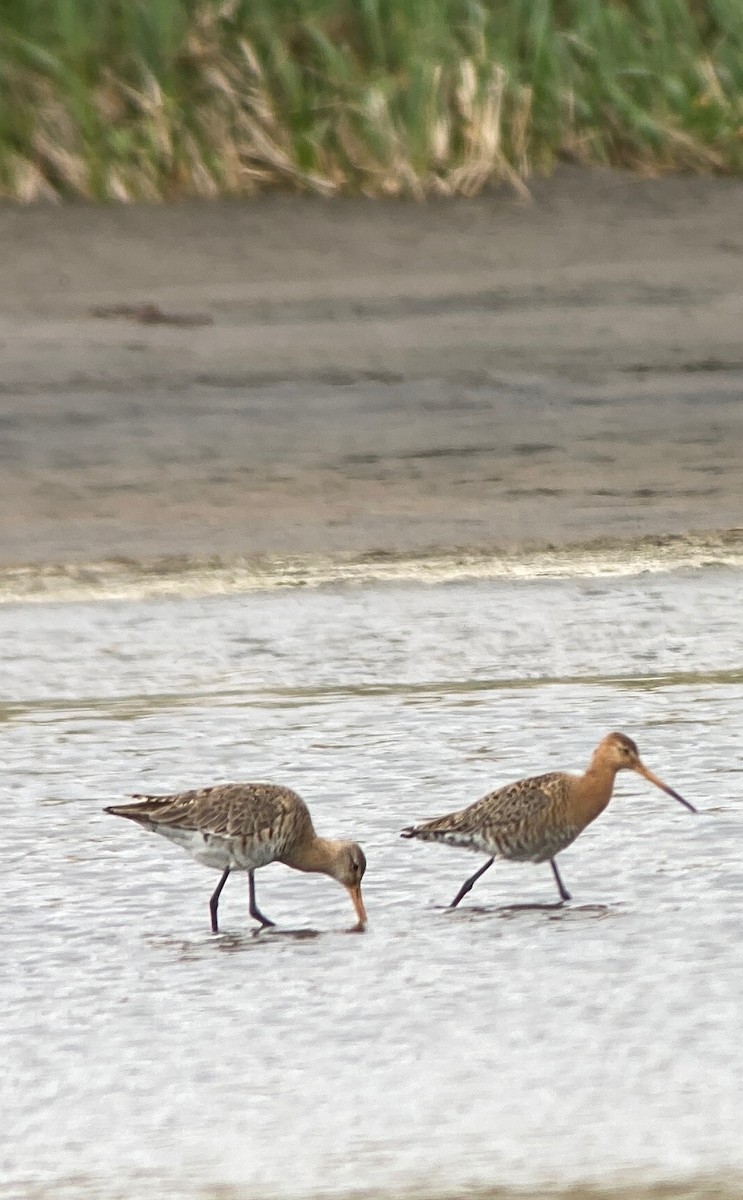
(509, 1042)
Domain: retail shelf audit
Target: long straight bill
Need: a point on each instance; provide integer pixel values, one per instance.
(643, 770)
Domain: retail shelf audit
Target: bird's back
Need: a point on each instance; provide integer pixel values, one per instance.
(243, 825)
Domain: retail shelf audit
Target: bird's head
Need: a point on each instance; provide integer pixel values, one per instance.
(348, 868)
(620, 752)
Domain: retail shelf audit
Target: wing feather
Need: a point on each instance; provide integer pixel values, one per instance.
(253, 811)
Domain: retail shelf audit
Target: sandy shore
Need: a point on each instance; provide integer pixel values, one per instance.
(354, 376)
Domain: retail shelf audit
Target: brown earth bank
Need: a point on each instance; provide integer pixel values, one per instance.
(292, 375)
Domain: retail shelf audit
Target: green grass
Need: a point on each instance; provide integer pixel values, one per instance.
(150, 99)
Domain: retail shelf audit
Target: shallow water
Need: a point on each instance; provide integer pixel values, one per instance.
(510, 1042)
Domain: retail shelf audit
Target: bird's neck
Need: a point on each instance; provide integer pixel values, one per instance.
(593, 791)
(316, 855)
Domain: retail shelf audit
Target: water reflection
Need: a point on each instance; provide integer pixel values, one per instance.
(227, 942)
(509, 1039)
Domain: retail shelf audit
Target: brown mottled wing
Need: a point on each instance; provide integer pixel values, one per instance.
(256, 811)
(521, 820)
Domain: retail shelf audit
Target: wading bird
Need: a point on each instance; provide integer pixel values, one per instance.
(244, 826)
(534, 819)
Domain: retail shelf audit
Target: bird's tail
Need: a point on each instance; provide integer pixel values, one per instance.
(140, 811)
(436, 829)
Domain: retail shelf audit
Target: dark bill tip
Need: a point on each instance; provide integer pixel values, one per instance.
(681, 800)
(652, 778)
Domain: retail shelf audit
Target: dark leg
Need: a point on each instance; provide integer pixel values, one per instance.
(214, 902)
(564, 893)
(254, 909)
(467, 887)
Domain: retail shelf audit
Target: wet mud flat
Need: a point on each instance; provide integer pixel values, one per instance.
(304, 376)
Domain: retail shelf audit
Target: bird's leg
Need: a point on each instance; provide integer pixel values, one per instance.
(564, 893)
(467, 887)
(254, 909)
(214, 902)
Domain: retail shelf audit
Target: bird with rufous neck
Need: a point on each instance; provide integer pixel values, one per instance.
(534, 819)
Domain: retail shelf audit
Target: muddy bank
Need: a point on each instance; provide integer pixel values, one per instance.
(300, 376)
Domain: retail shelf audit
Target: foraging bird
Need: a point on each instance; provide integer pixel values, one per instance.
(244, 826)
(534, 819)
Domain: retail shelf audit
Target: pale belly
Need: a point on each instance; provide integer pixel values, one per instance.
(210, 850)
